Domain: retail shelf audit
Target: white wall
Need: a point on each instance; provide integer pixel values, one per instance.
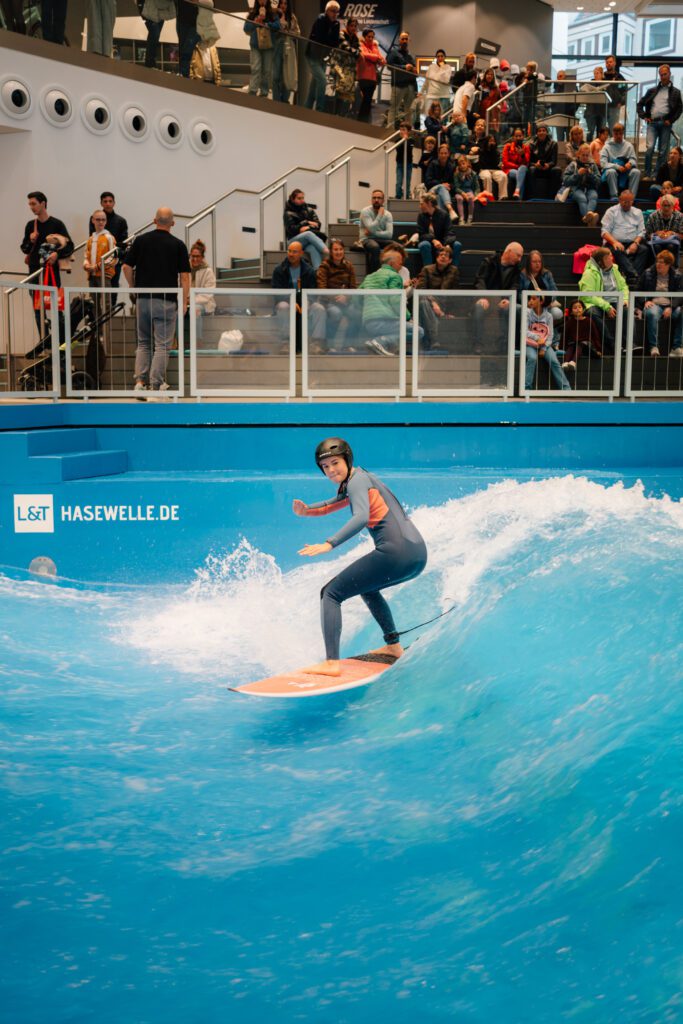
(72, 166)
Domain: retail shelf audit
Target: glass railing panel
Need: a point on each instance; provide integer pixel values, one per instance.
(654, 348)
(354, 342)
(465, 343)
(242, 342)
(31, 331)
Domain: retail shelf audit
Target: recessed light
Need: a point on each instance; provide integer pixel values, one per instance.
(580, 8)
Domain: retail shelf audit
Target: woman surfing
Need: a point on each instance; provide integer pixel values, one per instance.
(400, 553)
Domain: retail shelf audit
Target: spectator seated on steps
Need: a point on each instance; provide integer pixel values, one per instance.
(295, 273)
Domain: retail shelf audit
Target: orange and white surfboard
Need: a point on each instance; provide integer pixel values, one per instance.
(357, 671)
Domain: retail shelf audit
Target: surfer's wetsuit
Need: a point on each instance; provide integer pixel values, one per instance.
(400, 554)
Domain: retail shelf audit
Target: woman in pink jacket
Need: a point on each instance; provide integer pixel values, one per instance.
(369, 64)
(516, 156)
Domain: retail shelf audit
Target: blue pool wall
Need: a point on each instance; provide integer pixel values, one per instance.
(232, 470)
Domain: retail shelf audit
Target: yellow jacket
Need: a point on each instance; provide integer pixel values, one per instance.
(197, 64)
(97, 245)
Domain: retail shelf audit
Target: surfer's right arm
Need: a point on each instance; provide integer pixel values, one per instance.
(318, 508)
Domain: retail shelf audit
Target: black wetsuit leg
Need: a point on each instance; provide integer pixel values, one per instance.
(365, 578)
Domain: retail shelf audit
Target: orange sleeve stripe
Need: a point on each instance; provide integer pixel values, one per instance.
(325, 511)
(378, 507)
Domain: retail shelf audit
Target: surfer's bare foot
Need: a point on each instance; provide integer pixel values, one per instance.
(395, 650)
(323, 668)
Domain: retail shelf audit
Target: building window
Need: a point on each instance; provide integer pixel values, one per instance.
(571, 49)
(628, 44)
(605, 43)
(659, 35)
(587, 46)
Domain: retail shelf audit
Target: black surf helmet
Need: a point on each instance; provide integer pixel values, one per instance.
(330, 447)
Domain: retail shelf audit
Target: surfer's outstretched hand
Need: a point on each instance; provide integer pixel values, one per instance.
(315, 549)
(299, 507)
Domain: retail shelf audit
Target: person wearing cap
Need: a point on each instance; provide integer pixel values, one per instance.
(400, 552)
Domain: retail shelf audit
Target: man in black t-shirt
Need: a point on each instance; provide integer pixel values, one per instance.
(157, 259)
(37, 254)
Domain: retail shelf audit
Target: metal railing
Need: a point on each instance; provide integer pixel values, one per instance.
(667, 375)
(30, 336)
(601, 358)
(471, 353)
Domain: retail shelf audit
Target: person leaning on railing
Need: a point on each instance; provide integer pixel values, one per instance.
(260, 25)
(659, 280)
(370, 63)
(601, 275)
(285, 63)
(343, 64)
(324, 36)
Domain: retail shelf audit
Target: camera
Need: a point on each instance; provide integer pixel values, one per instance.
(46, 250)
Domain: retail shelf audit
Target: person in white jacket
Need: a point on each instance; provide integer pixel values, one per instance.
(437, 84)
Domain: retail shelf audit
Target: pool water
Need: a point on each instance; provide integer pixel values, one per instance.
(491, 832)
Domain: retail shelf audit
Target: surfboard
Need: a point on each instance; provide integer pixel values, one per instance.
(357, 671)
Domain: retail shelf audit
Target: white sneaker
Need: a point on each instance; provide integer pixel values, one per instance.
(676, 353)
(654, 351)
(159, 394)
(571, 365)
(140, 391)
(376, 346)
(453, 215)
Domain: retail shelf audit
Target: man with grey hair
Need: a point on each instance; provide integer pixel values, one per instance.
(498, 272)
(324, 35)
(157, 259)
(665, 228)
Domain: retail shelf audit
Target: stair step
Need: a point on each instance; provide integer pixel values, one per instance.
(77, 465)
(55, 442)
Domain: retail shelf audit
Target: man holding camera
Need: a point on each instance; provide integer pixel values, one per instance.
(45, 242)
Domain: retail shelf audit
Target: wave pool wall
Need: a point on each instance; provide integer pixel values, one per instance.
(173, 483)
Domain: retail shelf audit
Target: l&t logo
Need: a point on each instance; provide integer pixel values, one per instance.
(34, 513)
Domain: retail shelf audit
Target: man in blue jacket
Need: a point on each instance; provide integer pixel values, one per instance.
(660, 107)
(295, 273)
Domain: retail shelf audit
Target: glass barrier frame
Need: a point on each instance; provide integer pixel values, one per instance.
(125, 293)
(481, 392)
(608, 393)
(9, 286)
(310, 392)
(199, 392)
(629, 390)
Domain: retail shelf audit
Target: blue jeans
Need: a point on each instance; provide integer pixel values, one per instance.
(387, 330)
(517, 175)
(657, 132)
(316, 90)
(399, 179)
(314, 246)
(585, 199)
(653, 314)
(443, 197)
(343, 325)
(157, 319)
(556, 370)
(428, 253)
(617, 181)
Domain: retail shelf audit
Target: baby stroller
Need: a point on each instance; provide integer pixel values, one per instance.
(86, 342)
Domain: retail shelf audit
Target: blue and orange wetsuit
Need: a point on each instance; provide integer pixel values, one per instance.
(400, 554)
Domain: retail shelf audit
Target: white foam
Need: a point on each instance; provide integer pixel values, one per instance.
(243, 610)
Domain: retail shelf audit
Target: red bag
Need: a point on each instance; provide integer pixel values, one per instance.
(581, 257)
(45, 298)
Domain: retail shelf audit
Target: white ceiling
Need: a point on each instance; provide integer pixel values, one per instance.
(642, 8)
